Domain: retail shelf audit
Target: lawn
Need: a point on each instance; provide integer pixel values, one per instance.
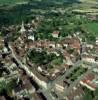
(92, 27)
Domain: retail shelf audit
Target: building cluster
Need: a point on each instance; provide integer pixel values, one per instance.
(14, 82)
(73, 76)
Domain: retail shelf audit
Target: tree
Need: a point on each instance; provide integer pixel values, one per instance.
(2, 86)
(96, 94)
(91, 37)
(87, 96)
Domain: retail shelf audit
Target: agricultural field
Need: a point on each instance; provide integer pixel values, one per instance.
(3, 2)
(86, 10)
(92, 27)
(89, 1)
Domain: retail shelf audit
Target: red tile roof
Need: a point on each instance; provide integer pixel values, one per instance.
(88, 80)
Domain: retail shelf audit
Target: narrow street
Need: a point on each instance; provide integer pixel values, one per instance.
(46, 88)
(29, 73)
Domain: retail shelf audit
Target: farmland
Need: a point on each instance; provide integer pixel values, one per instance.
(92, 27)
(3, 2)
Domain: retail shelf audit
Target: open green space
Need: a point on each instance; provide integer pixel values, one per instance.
(42, 58)
(76, 73)
(11, 1)
(92, 27)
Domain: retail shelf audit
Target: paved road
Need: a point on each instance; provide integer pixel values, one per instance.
(61, 78)
(36, 79)
(47, 91)
(75, 83)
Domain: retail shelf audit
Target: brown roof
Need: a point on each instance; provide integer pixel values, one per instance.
(25, 84)
(2, 98)
(66, 54)
(88, 56)
(75, 45)
(87, 80)
(36, 96)
(75, 93)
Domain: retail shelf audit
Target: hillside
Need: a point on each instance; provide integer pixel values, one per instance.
(13, 11)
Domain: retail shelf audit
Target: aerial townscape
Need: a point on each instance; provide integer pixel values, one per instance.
(48, 50)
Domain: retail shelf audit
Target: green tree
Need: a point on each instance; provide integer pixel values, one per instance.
(96, 94)
(87, 96)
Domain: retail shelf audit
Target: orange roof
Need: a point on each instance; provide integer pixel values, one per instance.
(87, 80)
(75, 45)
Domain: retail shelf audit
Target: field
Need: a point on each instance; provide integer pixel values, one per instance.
(2, 2)
(92, 27)
(89, 1)
(86, 10)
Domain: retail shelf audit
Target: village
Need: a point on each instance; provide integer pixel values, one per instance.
(49, 50)
(52, 70)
